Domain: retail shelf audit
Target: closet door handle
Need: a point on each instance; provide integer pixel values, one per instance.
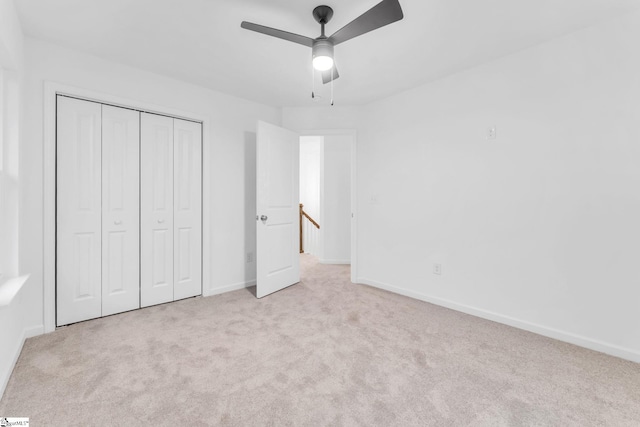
(117, 222)
(160, 221)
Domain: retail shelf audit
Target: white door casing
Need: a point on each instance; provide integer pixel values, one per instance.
(78, 206)
(156, 209)
(120, 210)
(278, 232)
(187, 264)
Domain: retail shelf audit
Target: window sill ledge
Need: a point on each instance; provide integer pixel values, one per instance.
(9, 288)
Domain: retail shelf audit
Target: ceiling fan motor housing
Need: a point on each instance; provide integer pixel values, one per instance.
(322, 14)
(322, 47)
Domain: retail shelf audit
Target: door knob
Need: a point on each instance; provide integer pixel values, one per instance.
(263, 217)
(160, 221)
(117, 222)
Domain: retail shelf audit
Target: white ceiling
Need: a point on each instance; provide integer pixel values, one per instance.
(200, 41)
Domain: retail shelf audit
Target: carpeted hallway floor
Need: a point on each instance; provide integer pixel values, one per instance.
(323, 352)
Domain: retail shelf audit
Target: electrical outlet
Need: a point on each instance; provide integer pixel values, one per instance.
(249, 257)
(374, 199)
(492, 132)
(437, 269)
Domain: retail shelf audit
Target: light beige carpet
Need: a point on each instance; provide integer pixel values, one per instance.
(323, 352)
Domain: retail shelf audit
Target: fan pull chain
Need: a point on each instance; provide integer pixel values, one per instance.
(333, 68)
(313, 82)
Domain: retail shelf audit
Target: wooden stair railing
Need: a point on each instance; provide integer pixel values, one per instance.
(303, 215)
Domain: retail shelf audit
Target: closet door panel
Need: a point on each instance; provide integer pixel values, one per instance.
(156, 204)
(120, 210)
(78, 211)
(187, 186)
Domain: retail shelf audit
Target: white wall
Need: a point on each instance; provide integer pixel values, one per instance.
(11, 39)
(308, 119)
(11, 57)
(13, 325)
(9, 170)
(232, 124)
(336, 200)
(537, 228)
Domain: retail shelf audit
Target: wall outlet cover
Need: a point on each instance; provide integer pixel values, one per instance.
(437, 269)
(492, 132)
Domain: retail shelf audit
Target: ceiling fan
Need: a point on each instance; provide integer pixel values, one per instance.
(384, 13)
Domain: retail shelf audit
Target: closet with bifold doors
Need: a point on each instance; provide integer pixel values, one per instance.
(128, 209)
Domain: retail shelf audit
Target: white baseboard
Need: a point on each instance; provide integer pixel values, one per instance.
(27, 333)
(228, 288)
(5, 378)
(579, 340)
(335, 261)
(33, 331)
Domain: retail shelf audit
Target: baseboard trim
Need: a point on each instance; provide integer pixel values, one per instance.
(33, 331)
(334, 261)
(579, 340)
(228, 288)
(26, 333)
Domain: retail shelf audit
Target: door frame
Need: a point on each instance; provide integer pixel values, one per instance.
(51, 90)
(354, 199)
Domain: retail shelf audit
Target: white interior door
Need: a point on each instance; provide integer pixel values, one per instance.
(187, 263)
(156, 209)
(278, 231)
(120, 210)
(78, 211)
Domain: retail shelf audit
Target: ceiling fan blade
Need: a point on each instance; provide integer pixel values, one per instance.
(384, 13)
(296, 38)
(330, 74)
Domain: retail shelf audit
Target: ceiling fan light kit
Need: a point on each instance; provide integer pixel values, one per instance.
(322, 47)
(322, 53)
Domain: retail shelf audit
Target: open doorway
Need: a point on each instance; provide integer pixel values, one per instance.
(326, 178)
(278, 215)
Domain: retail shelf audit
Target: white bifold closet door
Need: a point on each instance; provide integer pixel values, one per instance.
(187, 209)
(171, 206)
(78, 211)
(128, 210)
(97, 234)
(156, 209)
(120, 210)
